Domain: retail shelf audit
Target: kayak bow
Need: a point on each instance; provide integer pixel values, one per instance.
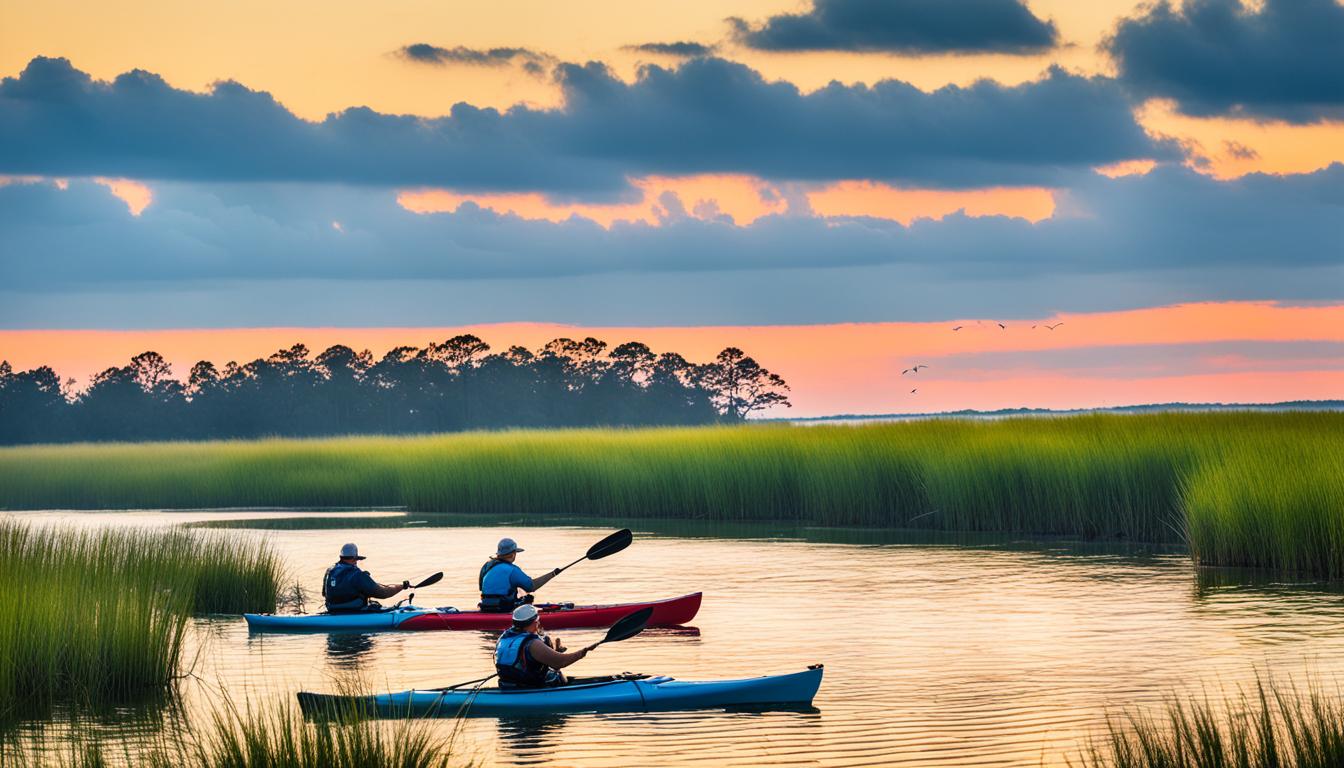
(620, 694)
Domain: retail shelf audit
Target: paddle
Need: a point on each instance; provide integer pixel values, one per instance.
(625, 628)
(433, 579)
(608, 546)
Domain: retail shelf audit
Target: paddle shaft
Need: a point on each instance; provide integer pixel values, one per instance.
(487, 679)
(624, 629)
(571, 565)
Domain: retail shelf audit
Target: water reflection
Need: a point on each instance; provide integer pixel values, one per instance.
(983, 650)
(718, 530)
(529, 740)
(346, 650)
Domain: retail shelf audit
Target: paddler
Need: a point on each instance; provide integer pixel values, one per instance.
(500, 579)
(346, 588)
(524, 658)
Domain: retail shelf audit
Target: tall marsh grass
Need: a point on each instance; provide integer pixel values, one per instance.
(1270, 728)
(1220, 479)
(1275, 503)
(97, 617)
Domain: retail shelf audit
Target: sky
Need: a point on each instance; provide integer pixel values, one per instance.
(832, 185)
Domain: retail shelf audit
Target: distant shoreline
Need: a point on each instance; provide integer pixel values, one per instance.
(1288, 405)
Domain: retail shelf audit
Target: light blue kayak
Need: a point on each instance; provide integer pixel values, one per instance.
(632, 693)
(387, 618)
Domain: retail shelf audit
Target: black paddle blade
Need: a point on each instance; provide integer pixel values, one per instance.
(627, 627)
(611, 544)
(435, 579)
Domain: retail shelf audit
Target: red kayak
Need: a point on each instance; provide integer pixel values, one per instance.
(666, 613)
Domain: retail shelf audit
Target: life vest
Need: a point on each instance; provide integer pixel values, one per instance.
(496, 603)
(515, 667)
(338, 588)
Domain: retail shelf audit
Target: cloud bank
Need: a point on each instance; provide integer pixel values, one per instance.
(907, 27)
(1281, 61)
(1172, 235)
(705, 116)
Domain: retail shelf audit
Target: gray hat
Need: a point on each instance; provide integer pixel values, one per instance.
(525, 614)
(350, 550)
(507, 547)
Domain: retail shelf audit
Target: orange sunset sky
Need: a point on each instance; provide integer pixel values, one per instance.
(832, 185)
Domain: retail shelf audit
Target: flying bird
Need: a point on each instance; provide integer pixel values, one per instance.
(1001, 325)
(907, 370)
(1056, 325)
(917, 367)
(958, 328)
(913, 391)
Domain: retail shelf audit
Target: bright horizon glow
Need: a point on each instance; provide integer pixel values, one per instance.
(856, 367)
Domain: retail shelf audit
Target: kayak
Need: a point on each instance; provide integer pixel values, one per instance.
(624, 693)
(666, 613)
(387, 618)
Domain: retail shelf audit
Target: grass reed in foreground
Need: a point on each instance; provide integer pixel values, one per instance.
(97, 617)
(274, 737)
(1219, 478)
(1275, 728)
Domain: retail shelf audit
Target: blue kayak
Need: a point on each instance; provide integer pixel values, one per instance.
(386, 618)
(623, 693)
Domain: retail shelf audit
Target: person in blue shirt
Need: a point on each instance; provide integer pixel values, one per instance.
(500, 580)
(525, 658)
(346, 588)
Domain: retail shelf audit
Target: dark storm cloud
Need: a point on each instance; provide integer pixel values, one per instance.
(909, 27)
(704, 116)
(424, 53)
(1281, 61)
(681, 48)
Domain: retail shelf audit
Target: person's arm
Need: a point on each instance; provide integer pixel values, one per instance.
(540, 581)
(553, 658)
(372, 588)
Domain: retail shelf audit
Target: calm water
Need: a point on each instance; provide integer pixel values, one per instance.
(935, 655)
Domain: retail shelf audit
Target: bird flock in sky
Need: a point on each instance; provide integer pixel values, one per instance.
(914, 369)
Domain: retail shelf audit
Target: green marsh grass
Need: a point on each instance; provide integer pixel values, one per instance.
(1276, 503)
(1215, 480)
(97, 617)
(1271, 727)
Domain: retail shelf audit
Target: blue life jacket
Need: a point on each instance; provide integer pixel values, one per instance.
(496, 603)
(515, 667)
(338, 587)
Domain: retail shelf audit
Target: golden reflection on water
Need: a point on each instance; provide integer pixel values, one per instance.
(935, 655)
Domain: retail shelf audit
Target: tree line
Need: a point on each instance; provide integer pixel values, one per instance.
(456, 385)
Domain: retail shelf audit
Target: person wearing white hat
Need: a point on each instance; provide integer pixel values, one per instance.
(500, 579)
(346, 588)
(524, 658)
